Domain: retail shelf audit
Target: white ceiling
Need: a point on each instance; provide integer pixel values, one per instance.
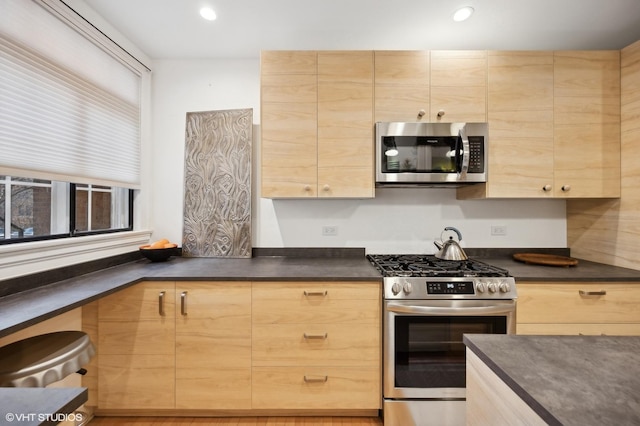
(172, 29)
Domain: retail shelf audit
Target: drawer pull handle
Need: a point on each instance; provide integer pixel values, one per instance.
(161, 303)
(315, 293)
(183, 303)
(316, 336)
(322, 379)
(593, 293)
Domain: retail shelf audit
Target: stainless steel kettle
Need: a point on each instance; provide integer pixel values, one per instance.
(450, 249)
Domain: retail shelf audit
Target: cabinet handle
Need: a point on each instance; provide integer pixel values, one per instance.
(183, 303)
(593, 293)
(307, 188)
(421, 113)
(315, 336)
(566, 188)
(326, 188)
(161, 303)
(315, 293)
(440, 113)
(322, 379)
(546, 188)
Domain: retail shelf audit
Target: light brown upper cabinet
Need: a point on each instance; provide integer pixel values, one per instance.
(289, 143)
(554, 126)
(458, 86)
(437, 86)
(317, 124)
(402, 85)
(345, 124)
(586, 124)
(520, 110)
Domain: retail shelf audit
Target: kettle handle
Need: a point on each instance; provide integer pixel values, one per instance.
(451, 228)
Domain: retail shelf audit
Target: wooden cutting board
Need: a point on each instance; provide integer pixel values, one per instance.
(545, 259)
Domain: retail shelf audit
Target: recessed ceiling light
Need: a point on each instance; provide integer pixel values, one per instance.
(208, 13)
(463, 14)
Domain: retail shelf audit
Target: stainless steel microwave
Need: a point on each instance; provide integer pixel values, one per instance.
(431, 154)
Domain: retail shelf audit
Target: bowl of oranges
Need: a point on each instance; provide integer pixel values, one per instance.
(159, 251)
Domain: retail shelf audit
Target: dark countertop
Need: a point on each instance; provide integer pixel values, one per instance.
(568, 380)
(39, 406)
(26, 308)
(583, 271)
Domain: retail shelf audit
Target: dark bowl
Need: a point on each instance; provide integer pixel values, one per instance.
(159, 254)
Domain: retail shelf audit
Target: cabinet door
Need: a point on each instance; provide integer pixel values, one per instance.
(345, 124)
(213, 345)
(136, 345)
(587, 124)
(401, 85)
(458, 86)
(289, 124)
(520, 109)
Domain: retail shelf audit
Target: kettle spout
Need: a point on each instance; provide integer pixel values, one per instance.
(437, 244)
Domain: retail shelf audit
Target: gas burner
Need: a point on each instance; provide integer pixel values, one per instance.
(430, 266)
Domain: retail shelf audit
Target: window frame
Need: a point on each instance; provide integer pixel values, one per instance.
(71, 219)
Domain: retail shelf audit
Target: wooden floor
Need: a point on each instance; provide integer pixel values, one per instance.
(236, 421)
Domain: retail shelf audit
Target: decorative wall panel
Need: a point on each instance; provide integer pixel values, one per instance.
(217, 189)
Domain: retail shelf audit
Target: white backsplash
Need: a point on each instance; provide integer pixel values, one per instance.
(397, 220)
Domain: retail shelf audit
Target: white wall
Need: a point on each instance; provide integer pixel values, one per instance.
(397, 220)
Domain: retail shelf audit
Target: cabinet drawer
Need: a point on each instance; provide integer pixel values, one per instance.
(318, 303)
(316, 344)
(564, 303)
(315, 388)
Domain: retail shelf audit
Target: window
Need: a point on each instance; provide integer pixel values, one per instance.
(70, 113)
(35, 209)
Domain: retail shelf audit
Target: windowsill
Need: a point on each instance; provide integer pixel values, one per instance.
(37, 256)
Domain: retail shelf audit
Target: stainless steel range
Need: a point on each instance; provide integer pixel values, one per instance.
(429, 304)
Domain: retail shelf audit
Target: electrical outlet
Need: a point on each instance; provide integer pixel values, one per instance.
(498, 230)
(329, 231)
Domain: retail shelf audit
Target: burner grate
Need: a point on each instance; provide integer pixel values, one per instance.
(430, 266)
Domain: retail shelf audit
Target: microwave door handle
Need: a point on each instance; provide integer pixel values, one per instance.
(466, 153)
(438, 310)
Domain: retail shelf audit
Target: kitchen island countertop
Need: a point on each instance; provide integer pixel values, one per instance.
(568, 380)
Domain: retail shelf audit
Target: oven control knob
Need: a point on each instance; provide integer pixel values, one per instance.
(480, 287)
(408, 288)
(492, 287)
(505, 287)
(396, 288)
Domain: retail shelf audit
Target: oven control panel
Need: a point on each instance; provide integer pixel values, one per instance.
(449, 288)
(464, 287)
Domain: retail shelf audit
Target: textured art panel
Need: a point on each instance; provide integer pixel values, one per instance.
(217, 189)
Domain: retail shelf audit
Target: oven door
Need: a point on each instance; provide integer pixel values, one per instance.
(424, 355)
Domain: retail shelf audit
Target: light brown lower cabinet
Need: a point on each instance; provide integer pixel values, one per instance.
(316, 345)
(573, 308)
(207, 346)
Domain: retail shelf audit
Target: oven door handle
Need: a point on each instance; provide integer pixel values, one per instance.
(438, 310)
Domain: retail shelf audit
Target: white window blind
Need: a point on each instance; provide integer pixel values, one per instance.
(69, 110)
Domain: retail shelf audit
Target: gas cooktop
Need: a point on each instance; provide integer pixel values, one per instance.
(422, 265)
